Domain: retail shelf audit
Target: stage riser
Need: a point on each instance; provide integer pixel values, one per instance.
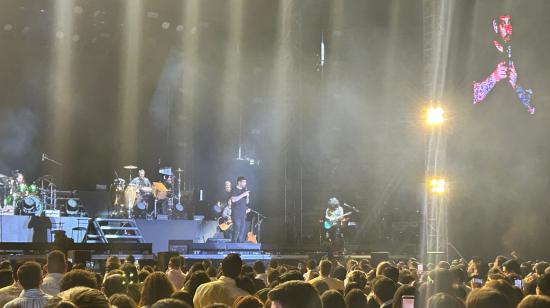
(213, 246)
(159, 232)
(13, 229)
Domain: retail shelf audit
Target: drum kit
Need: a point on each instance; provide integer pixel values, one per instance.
(20, 198)
(161, 199)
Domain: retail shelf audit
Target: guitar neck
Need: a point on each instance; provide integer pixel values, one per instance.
(344, 215)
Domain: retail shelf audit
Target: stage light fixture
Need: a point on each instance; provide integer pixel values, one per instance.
(72, 207)
(435, 115)
(438, 185)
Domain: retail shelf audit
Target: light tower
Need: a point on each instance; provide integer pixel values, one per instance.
(436, 15)
(435, 236)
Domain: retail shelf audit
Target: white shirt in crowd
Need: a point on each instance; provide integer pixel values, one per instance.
(51, 283)
(224, 290)
(333, 283)
(32, 298)
(177, 277)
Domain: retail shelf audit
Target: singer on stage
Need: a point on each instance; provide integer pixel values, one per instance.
(240, 198)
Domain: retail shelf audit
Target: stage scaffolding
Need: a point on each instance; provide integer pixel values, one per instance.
(437, 15)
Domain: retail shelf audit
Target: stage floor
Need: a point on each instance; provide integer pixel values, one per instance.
(14, 228)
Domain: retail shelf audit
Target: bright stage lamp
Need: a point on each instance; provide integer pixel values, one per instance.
(438, 185)
(435, 115)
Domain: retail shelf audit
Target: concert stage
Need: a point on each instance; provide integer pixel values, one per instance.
(190, 238)
(13, 229)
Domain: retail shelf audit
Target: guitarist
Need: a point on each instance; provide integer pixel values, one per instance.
(225, 226)
(333, 214)
(334, 211)
(240, 198)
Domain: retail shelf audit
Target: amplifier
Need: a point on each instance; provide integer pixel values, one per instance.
(180, 246)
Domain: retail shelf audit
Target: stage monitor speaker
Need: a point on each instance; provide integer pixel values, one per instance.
(164, 258)
(79, 256)
(379, 256)
(180, 246)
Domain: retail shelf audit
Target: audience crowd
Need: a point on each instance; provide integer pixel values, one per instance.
(507, 282)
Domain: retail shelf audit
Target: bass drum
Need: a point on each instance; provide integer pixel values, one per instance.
(29, 205)
(145, 206)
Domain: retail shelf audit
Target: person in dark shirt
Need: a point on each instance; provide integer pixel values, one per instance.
(223, 207)
(224, 197)
(240, 198)
(40, 225)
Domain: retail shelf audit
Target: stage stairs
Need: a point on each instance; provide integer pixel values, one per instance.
(113, 230)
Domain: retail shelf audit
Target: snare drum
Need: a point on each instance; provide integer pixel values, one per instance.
(146, 190)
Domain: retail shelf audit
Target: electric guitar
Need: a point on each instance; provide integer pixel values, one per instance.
(329, 223)
(224, 223)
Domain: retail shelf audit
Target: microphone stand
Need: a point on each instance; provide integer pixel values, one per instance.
(55, 162)
(261, 218)
(45, 157)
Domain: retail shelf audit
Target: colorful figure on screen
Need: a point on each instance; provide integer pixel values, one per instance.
(505, 69)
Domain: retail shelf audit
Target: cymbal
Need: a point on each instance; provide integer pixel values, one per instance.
(3, 176)
(130, 167)
(178, 170)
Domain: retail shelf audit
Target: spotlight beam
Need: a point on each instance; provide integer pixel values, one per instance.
(61, 98)
(130, 53)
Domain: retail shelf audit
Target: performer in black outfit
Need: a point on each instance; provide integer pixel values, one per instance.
(40, 225)
(240, 198)
(169, 183)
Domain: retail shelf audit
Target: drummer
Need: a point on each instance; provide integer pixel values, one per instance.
(19, 180)
(141, 180)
